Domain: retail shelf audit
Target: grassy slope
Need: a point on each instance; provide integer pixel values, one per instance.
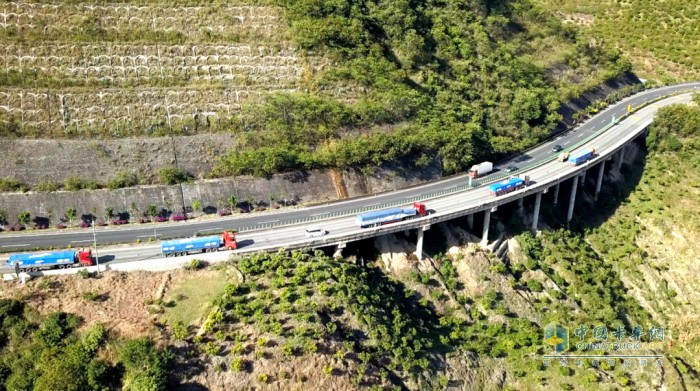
(660, 37)
(653, 237)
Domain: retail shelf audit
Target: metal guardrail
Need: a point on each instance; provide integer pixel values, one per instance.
(453, 190)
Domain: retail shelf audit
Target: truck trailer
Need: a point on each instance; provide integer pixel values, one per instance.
(480, 169)
(176, 247)
(387, 216)
(509, 185)
(581, 156)
(33, 262)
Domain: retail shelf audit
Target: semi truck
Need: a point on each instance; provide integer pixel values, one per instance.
(509, 185)
(480, 169)
(581, 156)
(387, 216)
(176, 247)
(32, 262)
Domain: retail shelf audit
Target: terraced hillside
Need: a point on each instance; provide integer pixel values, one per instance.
(422, 81)
(661, 38)
(85, 70)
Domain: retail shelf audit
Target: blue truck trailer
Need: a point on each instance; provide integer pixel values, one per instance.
(386, 216)
(177, 247)
(185, 246)
(50, 259)
(510, 184)
(581, 156)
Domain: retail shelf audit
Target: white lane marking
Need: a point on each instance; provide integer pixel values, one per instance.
(451, 187)
(417, 195)
(148, 236)
(566, 143)
(580, 135)
(271, 221)
(319, 214)
(378, 203)
(81, 241)
(17, 245)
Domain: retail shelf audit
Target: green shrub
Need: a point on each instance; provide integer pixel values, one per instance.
(12, 185)
(123, 179)
(83, 273)
(173, 176)
(534, 285)
(91, 296)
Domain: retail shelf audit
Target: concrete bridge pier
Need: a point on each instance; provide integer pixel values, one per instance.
(620, 157)
(556, 193)
(470, 221)
(583, 178)
(599, 180)
(572, 200)
(536, 212)
(419, 243)
(520, 204)
(339, 250)
(485, 231)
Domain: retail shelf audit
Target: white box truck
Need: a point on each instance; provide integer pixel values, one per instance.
(480, 169)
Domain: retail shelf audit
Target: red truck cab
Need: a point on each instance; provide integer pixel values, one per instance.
(85, 257)
(229, 240)
(420, 208)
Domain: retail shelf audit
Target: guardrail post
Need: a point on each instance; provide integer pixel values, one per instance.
(536, 213)
(599, 181)
(556, 193)
(485, 231)
(572, 199)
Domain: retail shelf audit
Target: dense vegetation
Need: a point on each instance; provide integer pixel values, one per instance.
(660, 37)
(50, 355)
(647, 225)
(456, 81)
(379, 331)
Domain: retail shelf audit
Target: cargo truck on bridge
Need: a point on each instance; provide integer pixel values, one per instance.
(176, 247)
(387, 216)
(577, 158)
(509, 185)
(32, 262)
(480, 169)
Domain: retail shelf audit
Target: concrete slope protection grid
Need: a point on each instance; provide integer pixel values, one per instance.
(337, 217)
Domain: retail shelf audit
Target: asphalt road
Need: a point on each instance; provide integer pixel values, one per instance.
(27, 241)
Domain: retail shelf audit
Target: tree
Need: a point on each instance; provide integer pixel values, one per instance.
(23, 217)
(197, 205)
(109, 212)
(249, 200)
(271, 197)
(152, 210)
(70, 215)
(232, 201)
(3, 216)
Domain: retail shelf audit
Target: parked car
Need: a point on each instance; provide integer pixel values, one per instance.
(557, 148)
(512, 168)
(314, 231)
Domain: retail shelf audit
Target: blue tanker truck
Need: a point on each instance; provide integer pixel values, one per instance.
(202, 244)
(387, 216)
(510, 184)
(32, 262)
